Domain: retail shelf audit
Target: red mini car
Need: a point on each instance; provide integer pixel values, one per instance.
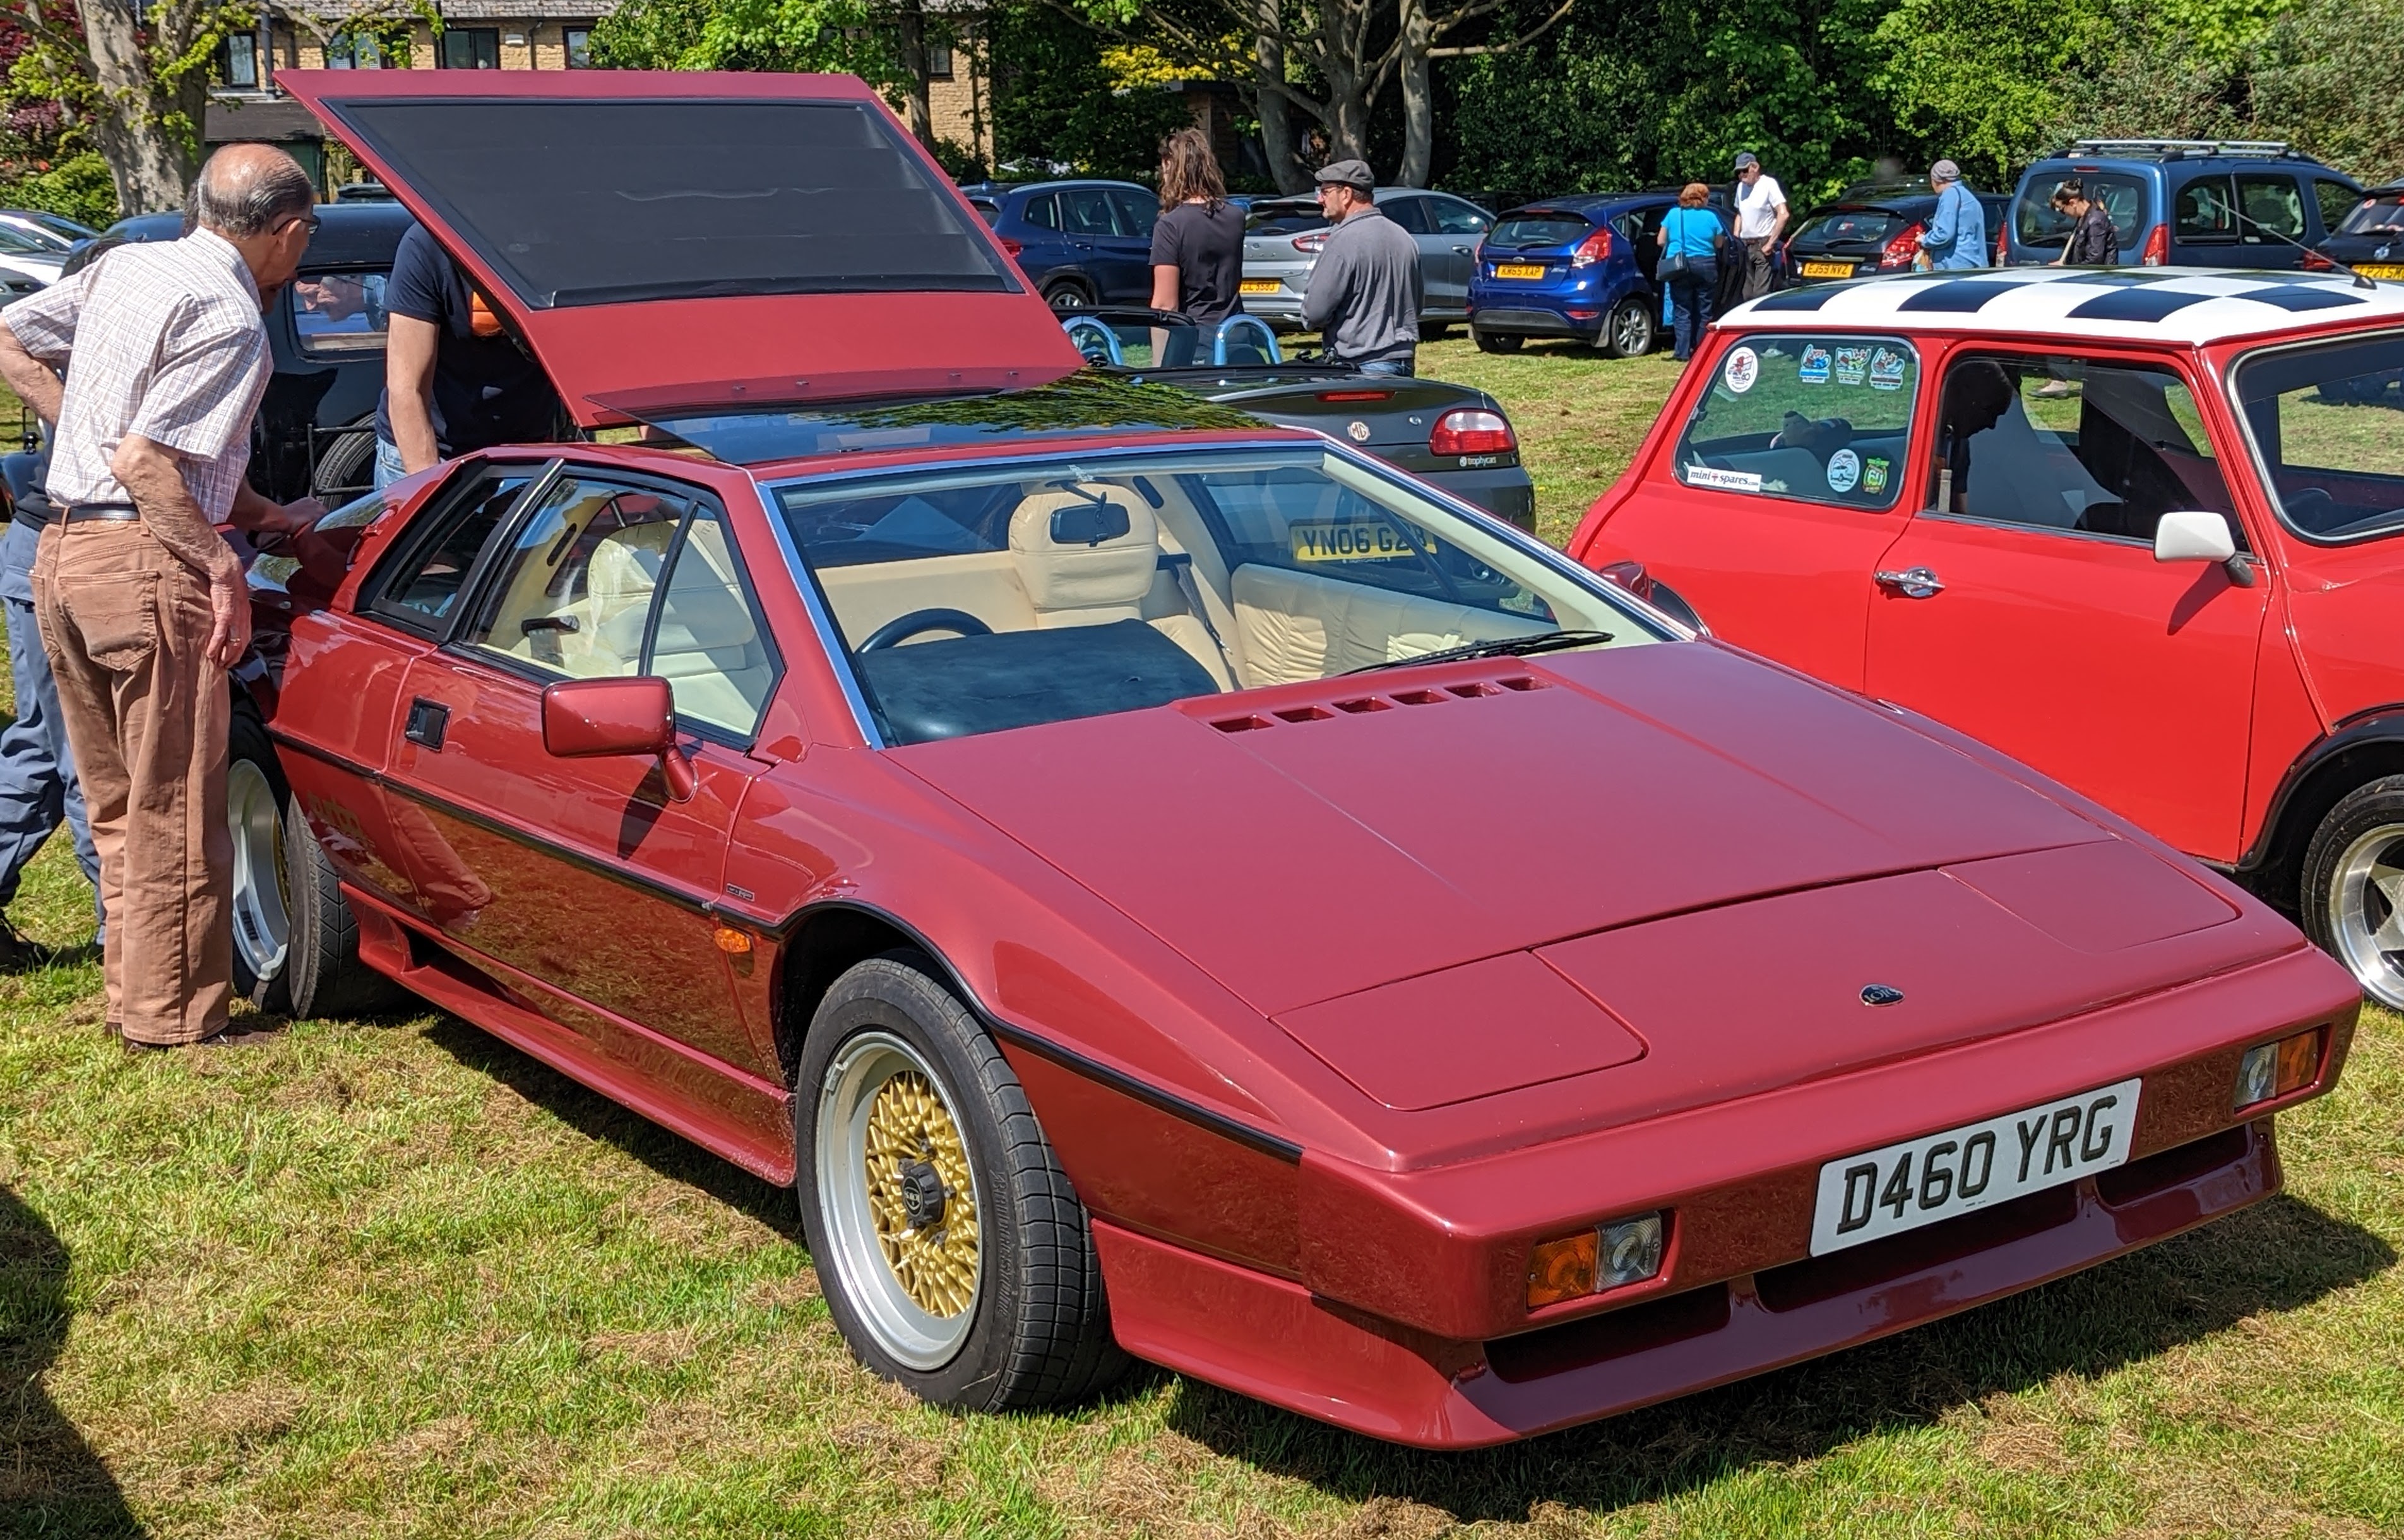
(1054, 823)
(2141, 528)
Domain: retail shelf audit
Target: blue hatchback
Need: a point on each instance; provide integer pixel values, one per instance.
(1580, 268)
(1079, 243)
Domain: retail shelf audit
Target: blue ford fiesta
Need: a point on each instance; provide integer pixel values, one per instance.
(1579, 267)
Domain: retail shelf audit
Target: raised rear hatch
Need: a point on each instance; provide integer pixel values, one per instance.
(696, 239)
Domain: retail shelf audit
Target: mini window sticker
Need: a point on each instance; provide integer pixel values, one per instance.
(1725, 480)
(1852, 365)
(1887, 368)
(1743, 366)
(1844, 471)
(1813, 370)
(1874, 475)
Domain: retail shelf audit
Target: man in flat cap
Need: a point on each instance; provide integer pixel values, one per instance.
(1365, 290)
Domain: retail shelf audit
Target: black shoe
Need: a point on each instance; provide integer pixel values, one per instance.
(17, 954)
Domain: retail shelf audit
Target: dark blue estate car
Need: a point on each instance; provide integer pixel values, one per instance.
(1079, 243)
(2185, 203)
(1579, 267)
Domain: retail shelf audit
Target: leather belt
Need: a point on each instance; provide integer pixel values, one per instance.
(80, 512)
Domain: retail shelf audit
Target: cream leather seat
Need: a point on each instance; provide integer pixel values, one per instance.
(1079, 567)
(1298, 624)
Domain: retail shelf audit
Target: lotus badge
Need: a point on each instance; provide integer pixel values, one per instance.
(1880, 995)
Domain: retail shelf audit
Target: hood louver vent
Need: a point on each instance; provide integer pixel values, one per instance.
(1360, 705)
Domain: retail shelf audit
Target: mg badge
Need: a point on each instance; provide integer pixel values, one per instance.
(1880, 995)
(1360, 432)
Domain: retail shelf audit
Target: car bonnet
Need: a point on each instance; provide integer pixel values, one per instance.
(696, 239)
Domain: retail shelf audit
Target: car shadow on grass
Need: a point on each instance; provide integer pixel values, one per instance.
(52, 1484)
(596, 1116)
(2276, 1256)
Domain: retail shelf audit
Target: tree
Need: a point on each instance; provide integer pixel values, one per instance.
(2324, 77)
(136, 84)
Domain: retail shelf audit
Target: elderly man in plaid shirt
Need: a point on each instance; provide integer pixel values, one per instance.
(142, 605)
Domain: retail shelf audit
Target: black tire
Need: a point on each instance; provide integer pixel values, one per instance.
(1035, 1329)
(346, 468)
(1068, 294)
(1495, 341)
(2345, 914)
(1631, 329)
(316, 970)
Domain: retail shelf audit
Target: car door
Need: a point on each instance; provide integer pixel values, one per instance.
(585, 876)
(1439, 294)
(1137, 212)
(1089, 218)
(1459, 227)
(1781, 493)
(2023, 605)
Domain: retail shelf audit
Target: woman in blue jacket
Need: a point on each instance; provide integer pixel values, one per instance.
(1691, 237)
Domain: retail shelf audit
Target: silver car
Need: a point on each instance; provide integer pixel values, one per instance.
(1282, 237)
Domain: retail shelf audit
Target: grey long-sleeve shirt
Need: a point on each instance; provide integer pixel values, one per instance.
(1365, 289)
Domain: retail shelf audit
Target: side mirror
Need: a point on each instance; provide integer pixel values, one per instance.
(2193, 537)
(605, 718)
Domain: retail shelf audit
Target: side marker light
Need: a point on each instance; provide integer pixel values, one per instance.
(732, 942)
(2273, 1070)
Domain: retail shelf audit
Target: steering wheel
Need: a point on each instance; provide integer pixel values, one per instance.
(917, 623)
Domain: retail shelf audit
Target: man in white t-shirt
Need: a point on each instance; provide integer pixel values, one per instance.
(1760, 220)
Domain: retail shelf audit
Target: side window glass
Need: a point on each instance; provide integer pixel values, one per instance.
(2206, 212)
(2271, 206)
(1136, 213)
(1409, 213)
(337, 314)
(1086, 211)
(2336, 201)
(1454, 217)
(1043, 213)
(1821, 418)
(423, 587)
(573, 593)
(709, 644)
(2074, 445)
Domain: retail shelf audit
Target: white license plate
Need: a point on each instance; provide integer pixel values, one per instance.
(1921, 1181)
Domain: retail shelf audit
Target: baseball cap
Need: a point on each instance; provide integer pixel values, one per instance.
(1746, 158)
(1349, 173)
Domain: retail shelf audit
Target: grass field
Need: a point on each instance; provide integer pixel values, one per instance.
(390, 1278)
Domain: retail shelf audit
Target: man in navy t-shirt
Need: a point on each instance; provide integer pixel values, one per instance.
(455, 380)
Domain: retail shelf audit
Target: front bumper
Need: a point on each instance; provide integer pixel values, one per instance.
(1400, 1309)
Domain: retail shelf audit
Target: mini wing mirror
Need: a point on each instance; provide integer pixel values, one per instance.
(605, 718)
(2193, 535)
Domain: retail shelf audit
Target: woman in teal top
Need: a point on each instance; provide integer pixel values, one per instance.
(1693, 231)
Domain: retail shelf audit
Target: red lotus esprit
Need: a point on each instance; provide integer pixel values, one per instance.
(1161, 885)
(2140, 527)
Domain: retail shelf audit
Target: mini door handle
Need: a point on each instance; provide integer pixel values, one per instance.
(427, 719)
(1911, 582)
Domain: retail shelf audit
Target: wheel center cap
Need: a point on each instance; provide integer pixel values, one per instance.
(922, 1196)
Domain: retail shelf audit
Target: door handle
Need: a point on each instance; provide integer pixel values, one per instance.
(427, 721)
(1911, 582)
(1461, 251)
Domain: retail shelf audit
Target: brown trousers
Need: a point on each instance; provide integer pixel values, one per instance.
(125, 623)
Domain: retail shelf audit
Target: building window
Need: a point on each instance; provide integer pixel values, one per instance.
(354, 50)
(239, 61)
(580, 48)
(471, 47)
(939, 61)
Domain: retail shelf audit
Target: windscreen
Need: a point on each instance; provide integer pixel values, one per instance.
(2038, 222)
(599, 202)
(2324, 417)
(1524, 231)
(1007, 595)
(2380, 214)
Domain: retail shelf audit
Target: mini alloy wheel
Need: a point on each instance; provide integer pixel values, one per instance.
(2365, 911)
(898, 1195)
(262, 930)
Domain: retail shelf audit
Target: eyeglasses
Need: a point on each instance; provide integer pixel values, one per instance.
(310, 221)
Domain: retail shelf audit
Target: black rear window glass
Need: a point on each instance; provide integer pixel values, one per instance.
(1523, 231)
(597, 202)
(2038, 222)
(1284, 219)
(2380, 214)
(1848, 229)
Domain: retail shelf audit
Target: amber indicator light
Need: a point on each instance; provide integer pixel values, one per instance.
(732, 942)
(2271, 1070)
(1563, 1270)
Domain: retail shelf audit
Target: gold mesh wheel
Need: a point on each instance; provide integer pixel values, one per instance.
(898, 1194)
(921, 1195)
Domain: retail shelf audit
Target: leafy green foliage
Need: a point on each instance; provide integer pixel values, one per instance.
(2326, 76)
(748, 34)
(1982, 78)
(78, 187)
(1054, 98)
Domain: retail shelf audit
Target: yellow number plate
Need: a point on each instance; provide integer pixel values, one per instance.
(1827, 269)
(1349, 540)
(1518, 269)
(1259, 285)
(2379, 270)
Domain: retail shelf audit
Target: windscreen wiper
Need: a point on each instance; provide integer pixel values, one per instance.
(1506, 646)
